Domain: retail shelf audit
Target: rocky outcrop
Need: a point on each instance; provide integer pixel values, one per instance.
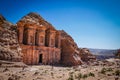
(34, 18)
(86, 55)
(2, 19)
(118, 53)
(9, 47)
(69, 50)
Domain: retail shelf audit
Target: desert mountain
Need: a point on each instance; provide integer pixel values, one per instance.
(28, 33)
(103, 53)
(9, 47)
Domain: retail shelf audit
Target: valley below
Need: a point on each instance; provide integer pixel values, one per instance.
(108, 69)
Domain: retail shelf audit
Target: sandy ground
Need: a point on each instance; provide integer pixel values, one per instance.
(105, 70)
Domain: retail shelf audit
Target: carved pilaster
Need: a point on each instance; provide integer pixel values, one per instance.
(31, 36)
(20, 31)
(40, 36)
(50, 38)
(58, 39)
(20, 34)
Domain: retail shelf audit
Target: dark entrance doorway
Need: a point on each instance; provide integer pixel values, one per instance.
(40, 58)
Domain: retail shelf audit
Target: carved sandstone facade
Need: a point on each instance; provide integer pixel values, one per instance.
(42, 43)
(39, 44)
(35, 41)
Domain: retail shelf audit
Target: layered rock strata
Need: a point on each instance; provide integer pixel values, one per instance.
(9, 46)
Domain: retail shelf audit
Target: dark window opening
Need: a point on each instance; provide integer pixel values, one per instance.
(40, 58)
(36, 38)
(25, 37)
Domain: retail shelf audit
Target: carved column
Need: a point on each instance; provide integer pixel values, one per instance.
(40, 36)
(58, 39)
(20, 34)
(50, 38)
(20, 31)
(31, 36)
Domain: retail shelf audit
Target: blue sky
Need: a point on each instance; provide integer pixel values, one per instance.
(91, 23)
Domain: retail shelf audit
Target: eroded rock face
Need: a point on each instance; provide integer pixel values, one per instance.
(9, 47)
(2, 19)
(86, 55)
(69, 50)
(36, 19)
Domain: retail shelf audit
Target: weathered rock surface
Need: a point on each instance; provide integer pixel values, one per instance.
(69, 50)
(86, 55)
(9, 47)
(34, 18)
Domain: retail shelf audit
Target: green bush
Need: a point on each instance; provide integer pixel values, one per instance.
(117, 72)
(79, 76)
(103, 71)
(71, 73)
(91, 74)
(70, 77)
(84, 76)
(109, 69)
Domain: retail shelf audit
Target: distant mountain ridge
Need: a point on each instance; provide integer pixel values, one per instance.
(103, 53)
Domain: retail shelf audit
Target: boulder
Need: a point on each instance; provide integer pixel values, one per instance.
(86, 55)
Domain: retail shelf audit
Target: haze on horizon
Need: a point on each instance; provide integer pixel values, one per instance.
(91, 23)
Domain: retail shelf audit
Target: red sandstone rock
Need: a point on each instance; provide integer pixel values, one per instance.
(69, 50)
(9, 47)
(86, 55)
(40, 42)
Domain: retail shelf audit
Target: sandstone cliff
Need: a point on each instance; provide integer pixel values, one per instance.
(71, 54)
(69, 49)
(9, 47)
